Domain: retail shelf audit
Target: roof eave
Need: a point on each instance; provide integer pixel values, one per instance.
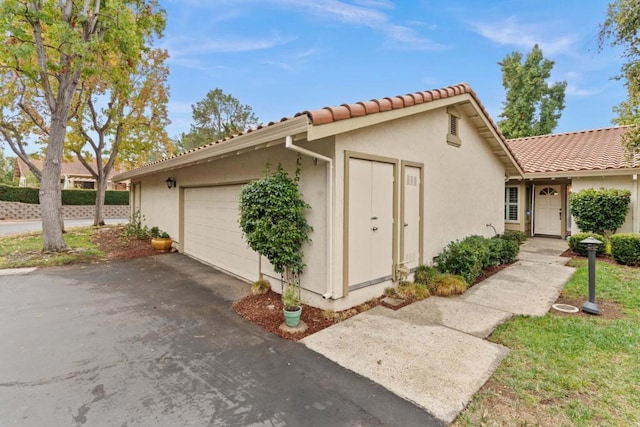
(582, 173)
(267, 136)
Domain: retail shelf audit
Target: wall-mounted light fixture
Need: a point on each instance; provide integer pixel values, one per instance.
(171, 182)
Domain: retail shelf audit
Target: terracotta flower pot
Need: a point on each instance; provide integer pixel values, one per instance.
(161, 244)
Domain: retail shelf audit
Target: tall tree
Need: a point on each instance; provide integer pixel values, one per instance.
(6, 168)
(621, 29)
(47, 48)
(121, 116)
(217, 116)
(532, 106)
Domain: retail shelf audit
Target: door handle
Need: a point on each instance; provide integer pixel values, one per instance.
(374, 228)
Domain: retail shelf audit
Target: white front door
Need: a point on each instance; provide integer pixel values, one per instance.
(548, 210)
(370, 221)
(410, 226)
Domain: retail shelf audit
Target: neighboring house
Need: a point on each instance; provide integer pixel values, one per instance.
(390, 181)
(556, 165)
(73, 175)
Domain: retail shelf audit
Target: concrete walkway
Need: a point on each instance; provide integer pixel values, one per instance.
(434, 352)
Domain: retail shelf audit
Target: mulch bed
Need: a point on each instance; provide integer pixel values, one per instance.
(266, 311)
(107, 239)
(604, 258)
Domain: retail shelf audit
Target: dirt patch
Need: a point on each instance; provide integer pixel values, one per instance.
(609, 310)
(108, 241)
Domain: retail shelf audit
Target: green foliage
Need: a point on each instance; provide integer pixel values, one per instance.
(505, 249)
(474, 254)
(581, 249)
(599, 211)
(260, 287)
(621, 29)
(217, 116)
(519, 236)
(135, 230)
(625, 248)
(532, 106)
(273, 222)
(69, 197)
(291, 298)
(7, 165)
(426, 275)
(19, 194)
(449, 284)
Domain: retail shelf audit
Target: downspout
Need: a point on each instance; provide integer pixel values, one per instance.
(329, 294)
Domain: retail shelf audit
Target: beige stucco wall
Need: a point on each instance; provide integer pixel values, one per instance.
(160, 205)
(623, 182)
(463, 188)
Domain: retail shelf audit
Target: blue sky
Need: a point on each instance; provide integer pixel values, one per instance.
(285, 56)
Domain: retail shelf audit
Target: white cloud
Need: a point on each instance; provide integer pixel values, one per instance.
(187, 51)
(366, 13)
(576, 87)
(510, 31)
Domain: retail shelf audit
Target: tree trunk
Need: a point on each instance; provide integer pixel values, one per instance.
(50, 195)
(98, 217)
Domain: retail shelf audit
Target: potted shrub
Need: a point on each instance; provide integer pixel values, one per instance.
(292, 306)
(160, 240)
(273, 223)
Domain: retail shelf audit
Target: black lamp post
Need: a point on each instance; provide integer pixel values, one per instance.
(592, 246)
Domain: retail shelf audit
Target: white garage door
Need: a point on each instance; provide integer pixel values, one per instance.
(212, 233)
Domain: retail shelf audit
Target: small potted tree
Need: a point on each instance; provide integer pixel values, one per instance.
(273, 223)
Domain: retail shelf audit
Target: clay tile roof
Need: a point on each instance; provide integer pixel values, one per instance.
(328, 115)
(597, 149)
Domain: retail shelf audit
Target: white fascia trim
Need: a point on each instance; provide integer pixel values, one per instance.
(580, 174)
(267, 136)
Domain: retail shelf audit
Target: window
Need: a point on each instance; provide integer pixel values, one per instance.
(511, 204)
(453, 132)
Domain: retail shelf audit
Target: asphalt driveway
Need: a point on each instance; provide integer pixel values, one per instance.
(144, 343)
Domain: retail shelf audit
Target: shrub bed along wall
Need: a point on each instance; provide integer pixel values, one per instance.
(471, 256)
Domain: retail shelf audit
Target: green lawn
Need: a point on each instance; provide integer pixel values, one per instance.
(25, 250)
(572, 371)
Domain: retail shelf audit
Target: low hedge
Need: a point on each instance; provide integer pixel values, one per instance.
(625, 248)
(471, 256)
(69, 197)
(581, 249)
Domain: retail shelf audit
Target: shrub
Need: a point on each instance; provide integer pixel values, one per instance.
(260, 286)
(412, 291)
(9, 193)
(505, 249)
(470, 257)
(519, 236)
(460, 258)
(625, 248)
(69, 197)
(449, 284)
(580, 249)
(425, 274)
(597, 211)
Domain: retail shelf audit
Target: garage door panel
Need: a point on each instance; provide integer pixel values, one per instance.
(212, 233)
